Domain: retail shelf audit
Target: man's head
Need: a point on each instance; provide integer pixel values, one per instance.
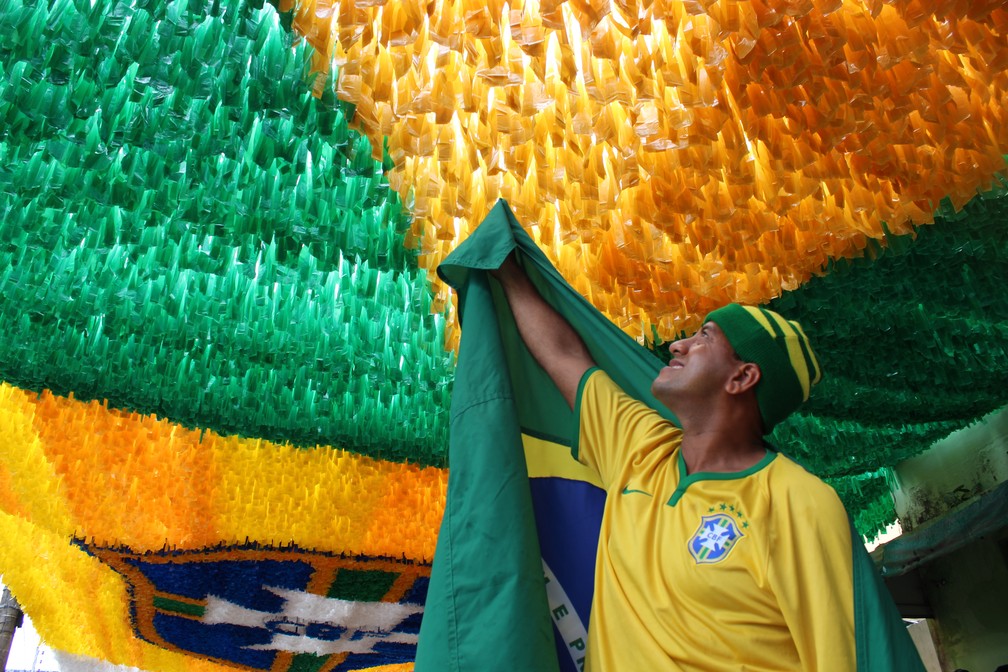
(788, 366)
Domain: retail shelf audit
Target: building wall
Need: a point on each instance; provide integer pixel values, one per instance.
(968, 588)
(954, 471)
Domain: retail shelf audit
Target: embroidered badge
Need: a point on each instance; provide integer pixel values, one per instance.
(714, 539)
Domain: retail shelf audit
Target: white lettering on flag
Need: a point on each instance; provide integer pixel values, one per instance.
(565, 618)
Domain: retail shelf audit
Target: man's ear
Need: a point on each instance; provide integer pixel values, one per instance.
(745, 378)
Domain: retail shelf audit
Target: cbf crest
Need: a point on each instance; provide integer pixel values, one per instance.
(267, 609)
(714, 539)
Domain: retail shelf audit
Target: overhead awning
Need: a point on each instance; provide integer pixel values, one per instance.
(983, 516)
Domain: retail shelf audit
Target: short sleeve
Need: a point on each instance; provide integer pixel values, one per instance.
(613, 428)
(810, 573)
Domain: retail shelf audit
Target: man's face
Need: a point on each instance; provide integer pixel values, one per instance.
(700, 367)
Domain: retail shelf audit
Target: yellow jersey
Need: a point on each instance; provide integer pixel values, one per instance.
(748, 570)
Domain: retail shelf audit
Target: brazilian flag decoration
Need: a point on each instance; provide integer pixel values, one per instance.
(226, 359)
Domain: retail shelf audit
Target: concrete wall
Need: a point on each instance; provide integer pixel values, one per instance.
(954, 471)
(968, 588)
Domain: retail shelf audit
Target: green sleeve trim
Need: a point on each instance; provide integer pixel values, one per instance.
(576, 432)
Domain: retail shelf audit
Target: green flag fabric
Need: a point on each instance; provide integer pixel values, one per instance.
(488, 575)
(486, 582)
(881, 638)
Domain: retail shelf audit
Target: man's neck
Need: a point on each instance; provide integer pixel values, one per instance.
(720, 452)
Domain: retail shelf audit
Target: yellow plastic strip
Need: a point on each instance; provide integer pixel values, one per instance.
(146, 483)
(71, 469)
(79, 604)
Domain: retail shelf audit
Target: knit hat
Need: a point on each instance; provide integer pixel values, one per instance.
(788, 367)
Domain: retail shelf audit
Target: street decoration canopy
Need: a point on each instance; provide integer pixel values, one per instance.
(225, 356)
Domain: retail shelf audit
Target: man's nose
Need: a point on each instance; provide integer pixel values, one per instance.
(679, 347)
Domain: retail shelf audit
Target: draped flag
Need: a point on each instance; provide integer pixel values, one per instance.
(503, 401)
(491, 596)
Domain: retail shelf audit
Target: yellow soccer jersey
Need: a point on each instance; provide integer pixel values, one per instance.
(709, 571)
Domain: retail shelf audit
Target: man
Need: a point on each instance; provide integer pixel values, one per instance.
(715, 552)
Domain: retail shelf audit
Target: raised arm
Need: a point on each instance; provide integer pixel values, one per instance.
(548, 336)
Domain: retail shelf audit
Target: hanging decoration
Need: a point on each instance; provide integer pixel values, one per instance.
(134, 516)
(187, 231)
(226, 363)
(674, 156)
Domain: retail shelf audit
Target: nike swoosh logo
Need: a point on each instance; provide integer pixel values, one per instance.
(627, 491)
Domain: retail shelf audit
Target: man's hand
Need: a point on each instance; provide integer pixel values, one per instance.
(549, 337)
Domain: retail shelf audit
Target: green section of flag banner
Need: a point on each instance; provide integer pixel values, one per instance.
(186, 230)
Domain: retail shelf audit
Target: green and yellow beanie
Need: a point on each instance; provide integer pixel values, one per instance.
(787, 364)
